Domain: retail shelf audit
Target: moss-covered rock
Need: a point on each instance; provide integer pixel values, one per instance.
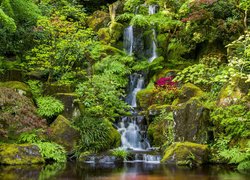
(17, 114)
(144, 98)
(20, 87)
(64, 134)
(99, 19)
(191, 122)
(20, 154)
(71, 108)
(104, 35)
(185, 153)
(188, 91)
(156, 109)
(116, 31)
(52, 89)
(233, 92)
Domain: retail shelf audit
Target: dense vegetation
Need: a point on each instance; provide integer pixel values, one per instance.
(63, 48)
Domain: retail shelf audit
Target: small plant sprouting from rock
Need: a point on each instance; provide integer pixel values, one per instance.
(120, 153)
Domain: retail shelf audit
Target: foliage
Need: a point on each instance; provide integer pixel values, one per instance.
(52, 151)
(101, 94)
(49, 106)
(120, 153)
(166, 81)
(35, 87)
(161, 130)
(49, 150)
(140, 21)
(238, 156)
(17, 18)
(231, 121)
(18, 114)
(130, 5)
(95, 134)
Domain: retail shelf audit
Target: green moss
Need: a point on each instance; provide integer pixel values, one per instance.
(185, 152)
(116, 31)
(20, 154)
(63, 133)
(187, 92)
(99, 19)
(18, 86)
(144, 98)
(104, 35)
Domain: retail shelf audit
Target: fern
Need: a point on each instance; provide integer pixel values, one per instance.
(49, 150)
(49, 106)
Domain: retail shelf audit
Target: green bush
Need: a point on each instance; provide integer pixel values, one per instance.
(96, 134)
(120, 153)
(49, 106)
(35, 87)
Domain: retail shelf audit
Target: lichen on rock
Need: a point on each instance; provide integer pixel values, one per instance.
(13, 154)
(185, 153)
(63, 133)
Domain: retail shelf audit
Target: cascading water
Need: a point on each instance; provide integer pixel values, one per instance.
(152, 10)
(133, 129)
(128, 40)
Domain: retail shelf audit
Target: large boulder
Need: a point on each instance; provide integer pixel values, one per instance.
(62, 132)
(71, 108)
(188, 91)
(191, 121)
(99, 19)
(13, 154)
(186, 153)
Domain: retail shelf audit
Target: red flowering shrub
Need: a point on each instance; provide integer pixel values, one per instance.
(166, 82)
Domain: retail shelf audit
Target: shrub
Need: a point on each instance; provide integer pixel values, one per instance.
(49, 150)
(17, 114)
(120, 153)
(49, 106)
(96, 134)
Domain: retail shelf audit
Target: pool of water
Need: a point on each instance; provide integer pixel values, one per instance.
(126, 171)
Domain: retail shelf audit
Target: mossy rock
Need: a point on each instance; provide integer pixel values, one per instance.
(62, 132)
(185, 153)
(156, 109)
(104, 35)
(233, 92)
(98, 20)
(116, 31)
(54, 88)
(191, 122)
(144, 98)
(71, 109)
(20, 87)
(187, 92)
(13, 154)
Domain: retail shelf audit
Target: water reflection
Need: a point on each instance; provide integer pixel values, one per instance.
(126, 171)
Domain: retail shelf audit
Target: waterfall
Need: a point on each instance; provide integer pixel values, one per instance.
(128, 40)
(133, 133)
(152, 10)
(133, 128)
